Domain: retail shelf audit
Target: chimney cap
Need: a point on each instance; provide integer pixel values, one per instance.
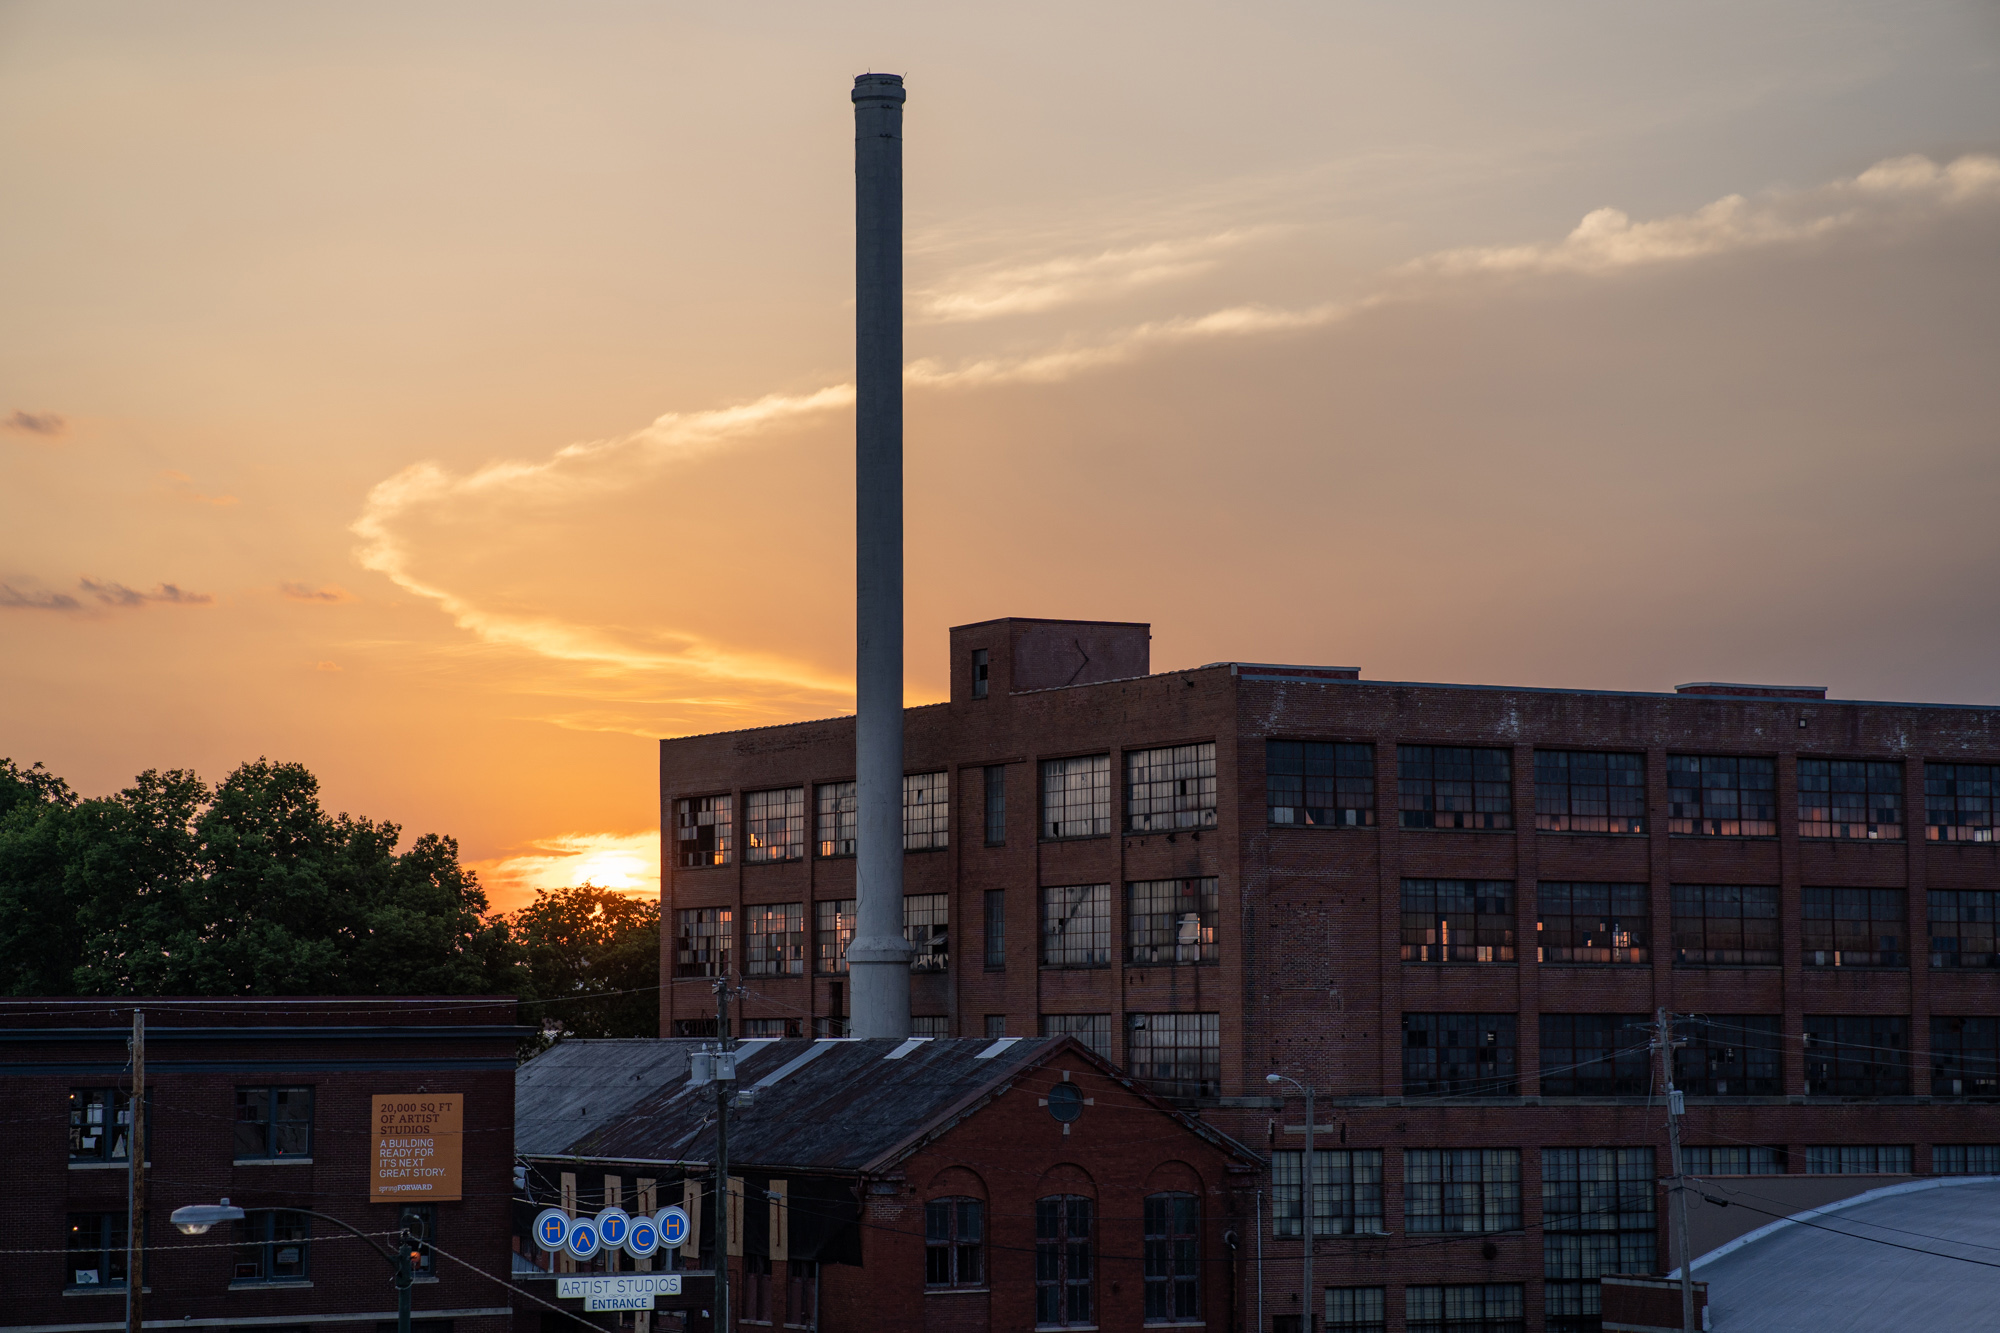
(879, 88)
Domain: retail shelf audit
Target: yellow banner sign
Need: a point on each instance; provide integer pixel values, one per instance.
(419, 1139)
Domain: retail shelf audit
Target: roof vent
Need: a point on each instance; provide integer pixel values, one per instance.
(1717, 687)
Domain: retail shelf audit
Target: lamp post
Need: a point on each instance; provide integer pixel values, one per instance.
(197, 1218)
(1306, 1202)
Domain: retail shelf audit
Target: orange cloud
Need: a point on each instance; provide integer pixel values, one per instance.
(629, 862)
(305, 592)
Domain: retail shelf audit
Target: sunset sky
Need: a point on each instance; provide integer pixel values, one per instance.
(455, 398)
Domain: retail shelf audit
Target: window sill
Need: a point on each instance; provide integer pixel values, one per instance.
(1852, 967)
(418, 1279)
(1073, 837)
(957, 1291)
(1727, 837)
(1324, 828)
(279, 1284)
(104, 1166)
(1413, 962)
(1427, 828)
(1600, 833)
(1591, 966)
(273, 1161)
(1729, 967)
(102, 1289)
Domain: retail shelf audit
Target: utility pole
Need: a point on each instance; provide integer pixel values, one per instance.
(1663, 1041)
(725, 1089)
(135, 1181)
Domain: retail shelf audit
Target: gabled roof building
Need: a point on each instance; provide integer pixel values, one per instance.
(927, 1184)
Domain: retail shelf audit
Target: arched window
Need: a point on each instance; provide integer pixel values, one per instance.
(1173, 1257)
(1062, 1260)
(954, 1243)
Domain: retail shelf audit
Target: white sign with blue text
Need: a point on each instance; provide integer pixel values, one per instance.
(619, 1291)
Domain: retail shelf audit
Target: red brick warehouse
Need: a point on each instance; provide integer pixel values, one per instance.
(1452, 909)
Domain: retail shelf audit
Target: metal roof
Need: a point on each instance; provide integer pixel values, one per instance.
(827, 1105)
(582, 1084)
(1890, 1258)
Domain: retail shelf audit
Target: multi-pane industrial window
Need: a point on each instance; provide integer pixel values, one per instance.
(1178, 1055)
(1595, 1055)
(1966, 1159)
(954, 1243)
(1093, 1030)
(1592, 923)
(1173, 1258)
(1857, 1055)
(1725, 796)
(802, 1294)
(1848, 798)
(1965, 1057)
(273, 1122)
(1170, 788)
(926, 925)
(1076, 797)
(773, 1027)
(996, 805)
(930, 1025)
(835, 808)
(704, 942)
(1853, 927)
(1962, 928)
(982, 669)
(100, 1124)
(926, 812)
(1063, 1269)
(1729, 1055)
(1597, 1218)
(271, 1247)
(1581, 791)
(833, 931)
(1462, 1189)
(996, 928)
(1961, 801)
(1733, 1160)
(1076, 925)
(1859, 1159)
(1458, 921)
(1488, 1307)
(1355, 1310)
(704, 830)
(1320, 784)
(774, 825)
(1454, 1054)
(1728, 924)
(1347, 1192)
(774, 939)
(1171, 921)
(996, 1025)
(1439, 786)
(95, 1253)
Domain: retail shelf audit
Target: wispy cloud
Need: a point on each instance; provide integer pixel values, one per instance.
(117, 594)
(572, 474)
(48, 424)
(1016, 289)
(705, 671)
(325, 594)
(1608, 239)
(13, 598)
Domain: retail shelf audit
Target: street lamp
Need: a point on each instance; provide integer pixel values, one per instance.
(197, 1218)
(1306, 1202)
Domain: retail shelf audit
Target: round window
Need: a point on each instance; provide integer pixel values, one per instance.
(1065, 1102)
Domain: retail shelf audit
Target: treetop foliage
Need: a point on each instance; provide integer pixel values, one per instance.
(170, 887)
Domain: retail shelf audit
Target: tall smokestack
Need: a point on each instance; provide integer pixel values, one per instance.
(878, 959)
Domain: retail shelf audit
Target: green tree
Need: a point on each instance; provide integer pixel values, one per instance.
(593, 962)
(251, 889)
